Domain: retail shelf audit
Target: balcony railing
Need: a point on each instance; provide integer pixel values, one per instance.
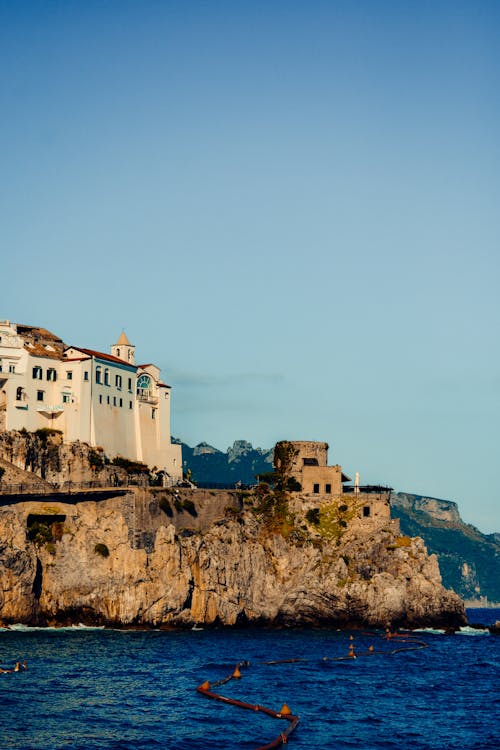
(145, 395)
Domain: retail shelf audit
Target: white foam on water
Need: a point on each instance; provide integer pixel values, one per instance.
(18, 627)
(466, 630)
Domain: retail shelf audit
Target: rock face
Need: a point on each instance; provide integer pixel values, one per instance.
(29, 457)
(178, 558)
(469, 560)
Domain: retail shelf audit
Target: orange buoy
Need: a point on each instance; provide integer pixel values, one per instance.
(351, 637)
(205, 686)
(370, 648)
(237, 672)
(285, 710)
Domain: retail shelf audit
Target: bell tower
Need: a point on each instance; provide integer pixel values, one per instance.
(123, 349)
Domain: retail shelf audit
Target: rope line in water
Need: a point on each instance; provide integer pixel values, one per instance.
(206, 688)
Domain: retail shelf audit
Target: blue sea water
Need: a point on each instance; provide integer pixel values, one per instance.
(98, 689)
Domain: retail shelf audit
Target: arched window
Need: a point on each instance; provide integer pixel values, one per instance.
(106, 376)
(19, 394)
(98, 374)
(144, 386)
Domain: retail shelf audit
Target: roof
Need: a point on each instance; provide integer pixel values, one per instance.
(37, 332)
(101, 355)
(38, 350)
(37, 339)
(123, 340)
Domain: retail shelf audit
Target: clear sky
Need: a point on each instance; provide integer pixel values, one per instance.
(291, 207)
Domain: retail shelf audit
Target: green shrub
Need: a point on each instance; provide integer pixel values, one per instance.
(40, 533)
(131, 467)
(312, 516)
(96, 459)
(403, 541)
(45, 432)
(101, 549)
(51, 547)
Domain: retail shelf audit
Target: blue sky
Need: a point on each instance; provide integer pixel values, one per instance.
(290, 207)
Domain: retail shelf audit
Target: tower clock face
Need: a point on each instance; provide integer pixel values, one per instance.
(144, 382)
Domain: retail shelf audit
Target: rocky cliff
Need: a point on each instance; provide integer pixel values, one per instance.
(469, 560)
(152, 557)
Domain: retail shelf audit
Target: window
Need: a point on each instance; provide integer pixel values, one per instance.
(86, 375)
(121, 402)
(316, 489)
(37, 373)
(328, 489)
(114, 400)
(100, 398)
(118, 381)
(310, 462)
(107, 399)
(66, 398)
(40, 395)
(51, 374)
(19, 394)
(366, 511)
(153, 413)
(130, 404)
(130, 385)
(69, 375)
(144, 386)
(98, 374)
(12, 368)
(118, 353)
(106, 376)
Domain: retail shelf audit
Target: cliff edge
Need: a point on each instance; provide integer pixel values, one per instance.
(167, 558)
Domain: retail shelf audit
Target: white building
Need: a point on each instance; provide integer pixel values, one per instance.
(102, 399)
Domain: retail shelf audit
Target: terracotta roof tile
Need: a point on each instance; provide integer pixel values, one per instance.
(102, 355)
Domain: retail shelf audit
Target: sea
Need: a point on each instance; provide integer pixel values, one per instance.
(101, 689)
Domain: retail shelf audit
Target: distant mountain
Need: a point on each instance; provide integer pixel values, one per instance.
(241, 463)
(469, 560)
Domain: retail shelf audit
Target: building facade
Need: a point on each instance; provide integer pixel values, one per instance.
(322, 483)
(105, 400)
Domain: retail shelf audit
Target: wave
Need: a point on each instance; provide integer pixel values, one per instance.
(465, 630)
(20, 627)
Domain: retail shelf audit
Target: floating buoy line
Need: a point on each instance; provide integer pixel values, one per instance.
(405, 642)
(18, 667)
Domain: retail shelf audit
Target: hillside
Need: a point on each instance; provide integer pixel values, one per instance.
(469, 560)
(241, 463)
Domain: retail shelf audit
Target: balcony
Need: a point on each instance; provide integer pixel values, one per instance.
(50, 410)
(146, 396)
